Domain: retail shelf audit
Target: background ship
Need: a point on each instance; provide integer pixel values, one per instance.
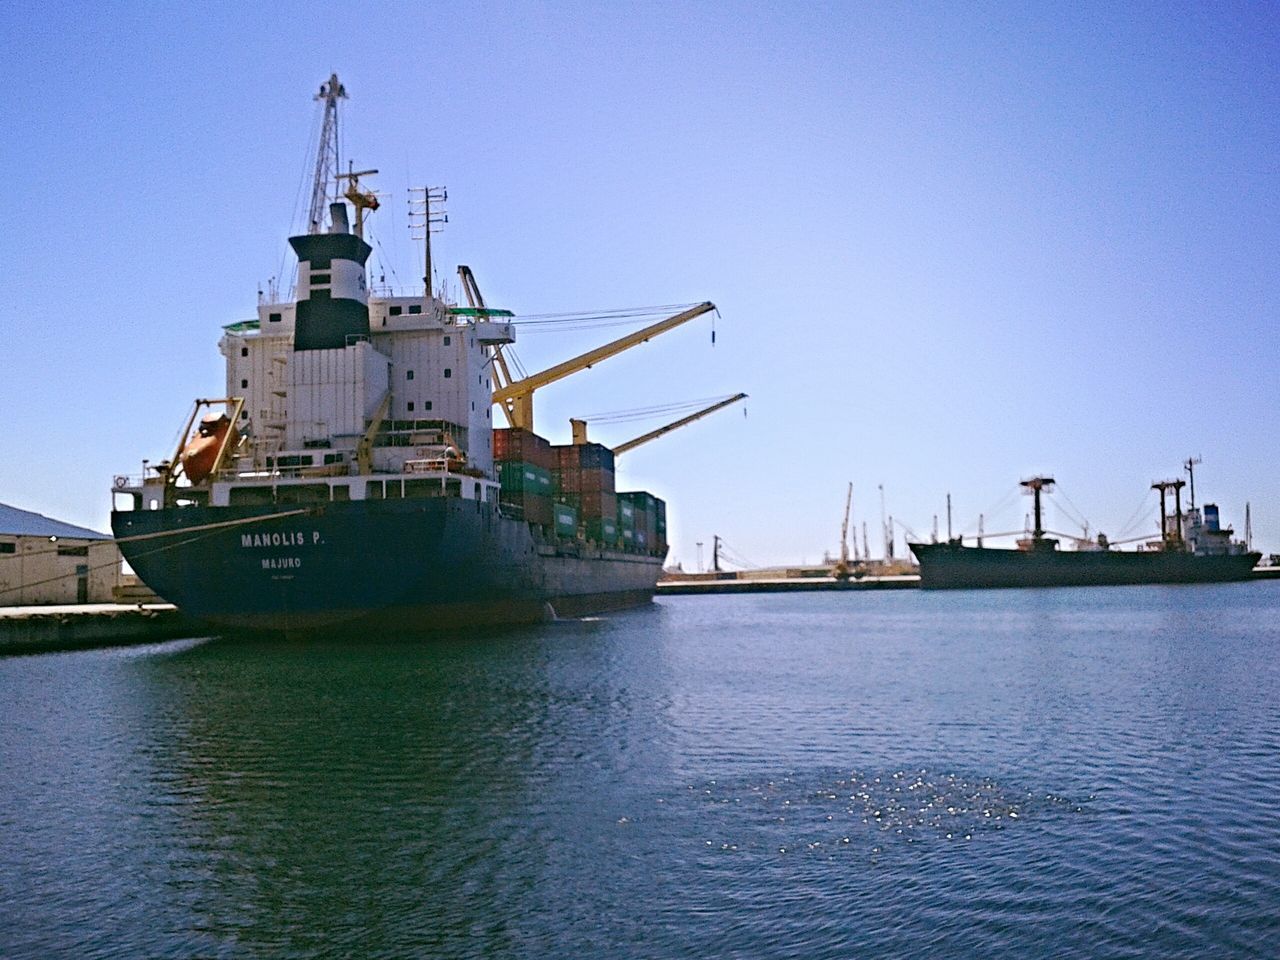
(352, 477)
(1192, 548)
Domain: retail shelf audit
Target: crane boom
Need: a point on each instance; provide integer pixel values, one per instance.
(676, 425)
(501, 372)
(516, 399)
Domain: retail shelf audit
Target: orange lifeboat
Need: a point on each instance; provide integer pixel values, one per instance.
(200, 456)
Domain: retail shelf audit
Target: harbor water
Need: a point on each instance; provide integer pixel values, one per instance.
(1037, 773)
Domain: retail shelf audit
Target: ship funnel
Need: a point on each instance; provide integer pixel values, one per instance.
(333, 298)
(338, 216)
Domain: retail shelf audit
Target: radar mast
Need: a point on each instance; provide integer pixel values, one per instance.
(331, 91)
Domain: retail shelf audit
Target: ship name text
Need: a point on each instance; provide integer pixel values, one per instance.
(289, 538)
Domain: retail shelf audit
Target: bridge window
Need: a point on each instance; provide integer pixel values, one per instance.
(396, 311)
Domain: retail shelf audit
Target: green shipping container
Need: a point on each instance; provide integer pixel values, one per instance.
(566, 520)
(603, 531)
(520, 477)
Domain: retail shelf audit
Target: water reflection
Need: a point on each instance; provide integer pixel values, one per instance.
(401, 782)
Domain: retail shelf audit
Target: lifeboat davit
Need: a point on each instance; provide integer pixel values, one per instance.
(200, 456)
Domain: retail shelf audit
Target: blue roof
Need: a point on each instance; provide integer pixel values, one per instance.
(24, 523)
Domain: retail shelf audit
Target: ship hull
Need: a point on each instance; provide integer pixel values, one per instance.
(403, 566)
(948, 566)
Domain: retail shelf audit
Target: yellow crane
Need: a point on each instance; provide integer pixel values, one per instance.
(579, 427)
(501, 373)
(516, 396)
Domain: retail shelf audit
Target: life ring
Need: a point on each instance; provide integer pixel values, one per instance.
(121, 482)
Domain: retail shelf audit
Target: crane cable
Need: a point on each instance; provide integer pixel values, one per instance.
(649, 413)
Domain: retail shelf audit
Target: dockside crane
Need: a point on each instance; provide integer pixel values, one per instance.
(841, 570)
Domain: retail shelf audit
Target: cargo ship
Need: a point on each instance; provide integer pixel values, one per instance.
(1191, 547)
(352, 478)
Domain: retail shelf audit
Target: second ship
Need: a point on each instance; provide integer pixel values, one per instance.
(1192, 547)
(352, 478)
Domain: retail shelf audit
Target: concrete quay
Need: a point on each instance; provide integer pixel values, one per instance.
(78, 626)
(668, 588)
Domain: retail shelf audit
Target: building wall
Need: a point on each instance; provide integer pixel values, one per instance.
(41, 571)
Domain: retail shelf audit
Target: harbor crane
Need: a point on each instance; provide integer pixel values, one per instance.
(579, 427)
(841, 570)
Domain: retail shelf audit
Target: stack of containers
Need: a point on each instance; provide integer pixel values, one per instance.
(583, 477)
(524, 463)
(643, 520)
(626, 521)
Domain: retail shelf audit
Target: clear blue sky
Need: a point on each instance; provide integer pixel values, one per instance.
(952, 244)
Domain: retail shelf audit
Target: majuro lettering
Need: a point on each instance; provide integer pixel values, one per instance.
(287, 538)
(281, 563)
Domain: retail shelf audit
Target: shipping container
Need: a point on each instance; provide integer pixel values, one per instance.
(586, 456)
(592, 505)
(528, 506)
(521, 477)
(575, 480)
(523, 445)
(566, 520)
(604, 531)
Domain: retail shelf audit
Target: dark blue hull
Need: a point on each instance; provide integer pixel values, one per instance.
(401, 565)
(951, 566)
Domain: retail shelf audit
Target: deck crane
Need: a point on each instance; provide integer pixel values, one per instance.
(516, 397)
(841, 570)
(501, 372)
(579, 427)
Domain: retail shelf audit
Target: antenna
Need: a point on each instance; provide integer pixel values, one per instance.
(427, 216)
(331, 91)
(1190, 465)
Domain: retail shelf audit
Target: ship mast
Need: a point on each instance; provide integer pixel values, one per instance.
(1035, 485)
(1191, 473)
(331, 91)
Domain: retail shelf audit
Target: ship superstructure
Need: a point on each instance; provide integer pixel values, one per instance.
(349, 472)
